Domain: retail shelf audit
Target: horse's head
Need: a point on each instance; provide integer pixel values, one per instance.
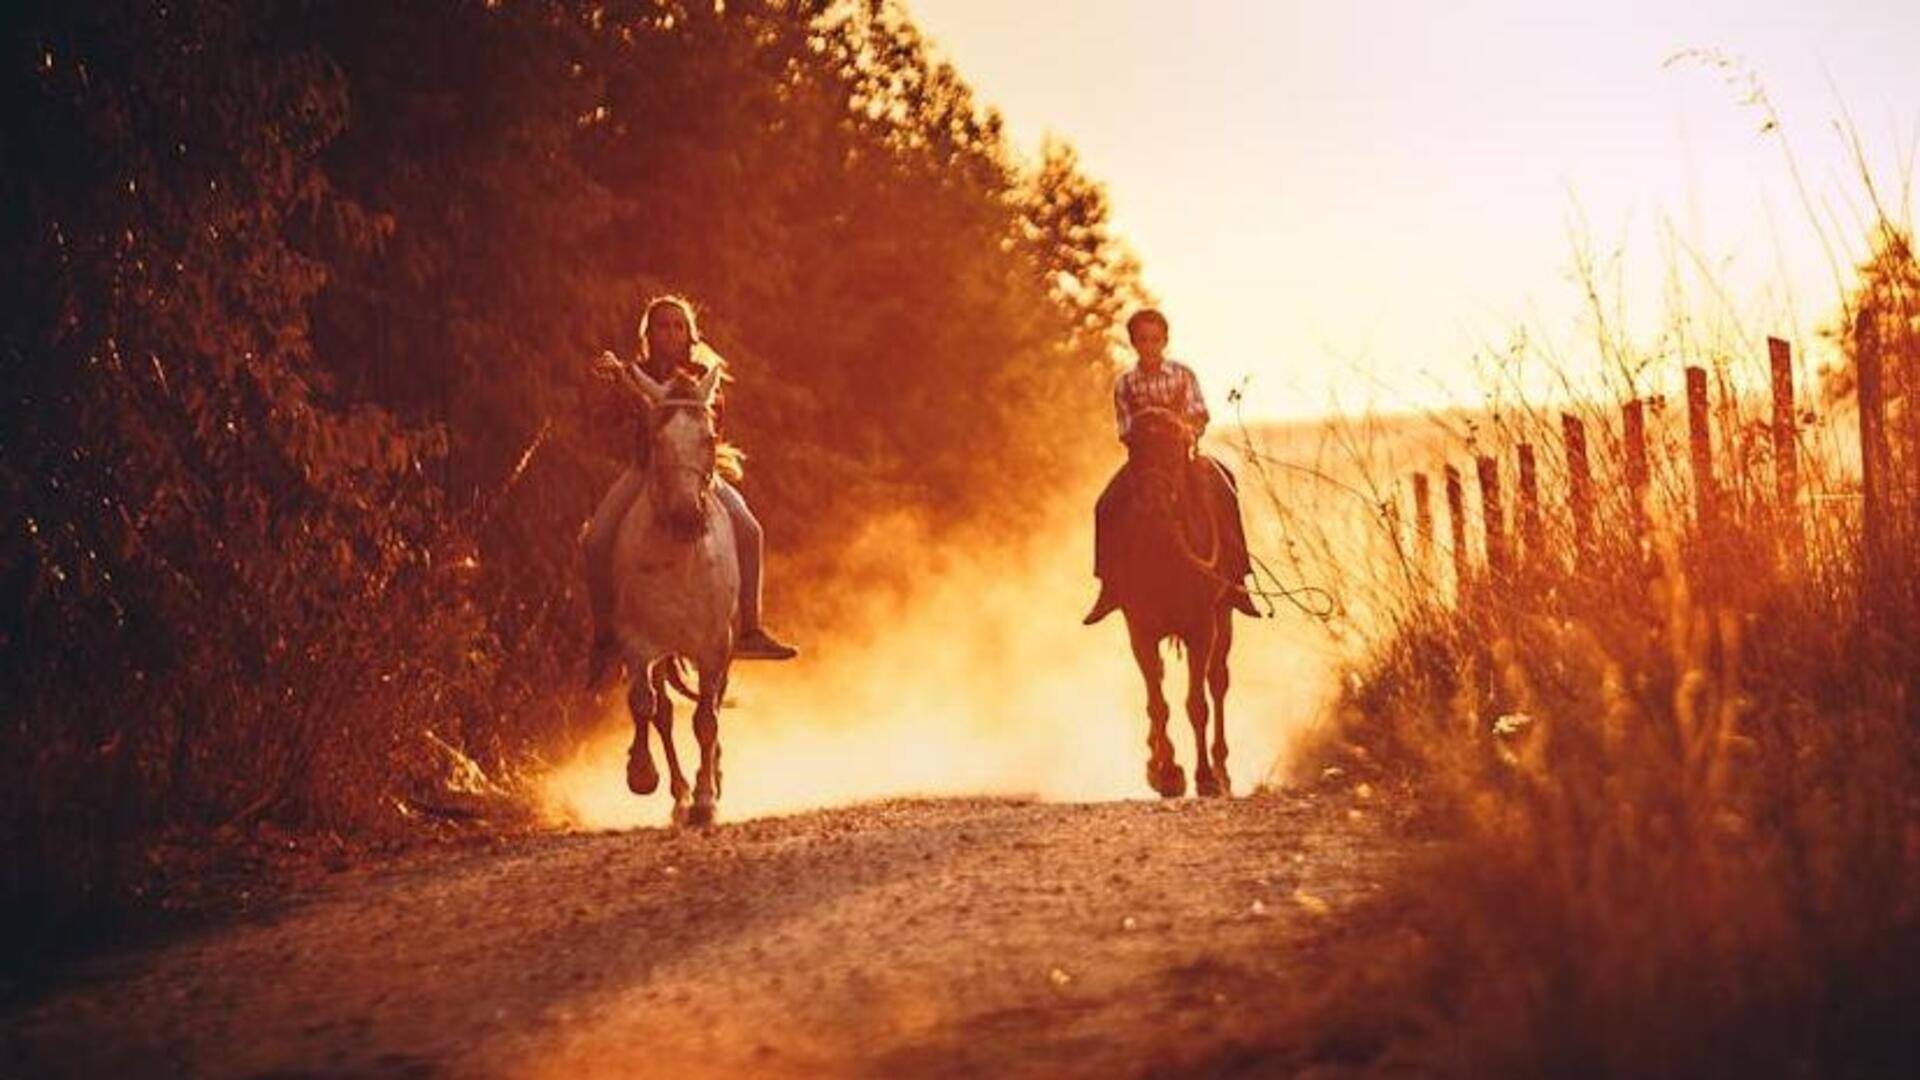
(1159, 440)
(684, 451)
(1168, 519)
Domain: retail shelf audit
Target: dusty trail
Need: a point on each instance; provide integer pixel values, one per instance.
(952, 937)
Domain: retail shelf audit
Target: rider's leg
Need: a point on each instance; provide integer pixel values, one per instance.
(1227, 492)
(1103, 527)
(1236, 562)
(1105, 540)
(750, 544)
(598, 543)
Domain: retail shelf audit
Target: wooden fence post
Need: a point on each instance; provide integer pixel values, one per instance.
(1579, 490)
(1423, 521)
(1530, 531)
(1634, 439)
(1706, 496)
(1457, 525)
(1492, 514)
(1786, 445)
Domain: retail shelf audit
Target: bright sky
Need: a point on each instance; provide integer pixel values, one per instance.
(1347, 202)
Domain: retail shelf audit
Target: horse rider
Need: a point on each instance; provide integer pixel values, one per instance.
(1156, 382)
(668, 335)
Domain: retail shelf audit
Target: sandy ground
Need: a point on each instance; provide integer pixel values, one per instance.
(909, 938)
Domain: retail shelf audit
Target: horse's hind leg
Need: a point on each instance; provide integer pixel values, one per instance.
(642, 777)
(1163, 775)
(663, 722)
(1205, 781)
(706, 728)
(1218, 679)
(719, 695)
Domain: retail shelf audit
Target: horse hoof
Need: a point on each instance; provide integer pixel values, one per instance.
(642, 777)
(1170, 782)
(1207, 786)
(700, 815)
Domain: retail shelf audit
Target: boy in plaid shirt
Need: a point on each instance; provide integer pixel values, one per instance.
(1156, 382)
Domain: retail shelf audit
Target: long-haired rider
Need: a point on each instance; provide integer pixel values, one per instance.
(668, 338)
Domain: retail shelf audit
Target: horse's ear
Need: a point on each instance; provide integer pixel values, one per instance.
(708, 385)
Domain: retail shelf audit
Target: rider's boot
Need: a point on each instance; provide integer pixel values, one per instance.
(755, 643)
(1107, 603)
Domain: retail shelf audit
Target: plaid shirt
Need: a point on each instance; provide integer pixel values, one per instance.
(1171, 386)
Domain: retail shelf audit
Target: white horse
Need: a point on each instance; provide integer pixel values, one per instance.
(676, 585)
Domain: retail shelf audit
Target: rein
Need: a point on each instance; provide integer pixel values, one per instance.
(708, 474)
(1274, 589)
(1209, 566)
(1312, 601)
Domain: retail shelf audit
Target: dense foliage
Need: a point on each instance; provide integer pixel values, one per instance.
(298, 434)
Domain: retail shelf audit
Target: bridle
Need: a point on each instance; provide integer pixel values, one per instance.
(662, 414)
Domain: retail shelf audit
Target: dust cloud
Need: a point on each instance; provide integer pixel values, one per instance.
(962, 670)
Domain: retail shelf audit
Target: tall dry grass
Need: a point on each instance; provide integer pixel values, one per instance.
(1672, 786)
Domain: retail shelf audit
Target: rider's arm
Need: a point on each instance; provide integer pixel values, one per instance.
(1121, 416)
(619, 373)
(1196, 410)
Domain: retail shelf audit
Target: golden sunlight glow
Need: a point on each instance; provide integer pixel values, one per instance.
(1363, 203)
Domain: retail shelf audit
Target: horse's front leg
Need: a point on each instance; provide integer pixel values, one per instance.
(663, 723)
(706, 728)
(1218, 679)
(1199, 652)
(1163, 775)
(642, 777)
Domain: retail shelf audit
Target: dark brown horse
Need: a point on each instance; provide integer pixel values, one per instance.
(1171, 562)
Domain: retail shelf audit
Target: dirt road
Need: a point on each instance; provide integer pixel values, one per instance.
(954, 937)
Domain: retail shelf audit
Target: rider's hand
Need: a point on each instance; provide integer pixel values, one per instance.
(608, 366)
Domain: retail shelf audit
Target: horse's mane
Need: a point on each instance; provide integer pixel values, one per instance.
(1160, 416)
(730, 462)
